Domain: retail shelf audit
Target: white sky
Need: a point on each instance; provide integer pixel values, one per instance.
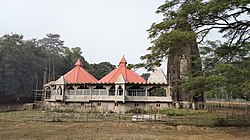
(104, 29)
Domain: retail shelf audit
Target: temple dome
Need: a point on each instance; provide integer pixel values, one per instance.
(157, 76)
(79, 75)
(128, 75)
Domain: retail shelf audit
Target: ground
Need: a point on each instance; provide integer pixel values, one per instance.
(115, 130)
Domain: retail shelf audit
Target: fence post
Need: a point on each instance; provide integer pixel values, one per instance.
(247, 109)
(87, 117)
(197, 121)
(119, 117)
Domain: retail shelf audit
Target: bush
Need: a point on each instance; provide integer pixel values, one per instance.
(175, 112)
(220, 122)
(136, 111)
(65, 110)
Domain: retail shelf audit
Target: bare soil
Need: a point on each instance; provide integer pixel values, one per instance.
(115, 130)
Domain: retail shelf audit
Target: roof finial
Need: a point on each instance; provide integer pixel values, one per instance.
(78, 62)
(123, 61)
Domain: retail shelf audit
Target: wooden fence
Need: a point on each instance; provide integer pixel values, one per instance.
(239, 120)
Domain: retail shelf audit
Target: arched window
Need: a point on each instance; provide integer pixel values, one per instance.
(59, 90)
(48, 93)
(70, 90)
(112, 91)
(119, 91)
(157, 91)
(136, 90)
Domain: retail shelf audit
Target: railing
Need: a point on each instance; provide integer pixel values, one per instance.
(111, 92)
(99, 92)
(137, 92)
(104, 92)
(148, 98)
(83, 92)
(53, 92)
(70, 92)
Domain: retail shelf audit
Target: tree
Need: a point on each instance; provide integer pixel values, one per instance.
(145, 75)
(186, 21)
(28, 64)
(52, 47)
(228, 17)
(172, 39)
(17, 65)
(72, 55)
(223, 77)
(101, 69)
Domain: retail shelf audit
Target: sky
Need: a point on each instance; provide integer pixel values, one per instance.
(104, 29)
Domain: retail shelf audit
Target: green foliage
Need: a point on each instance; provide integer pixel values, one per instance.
(136, 111)
(166, 44)
(28, 64)
(175, 112)
(101, 69)
(63, 110)
(186, 20)
(194, 85)
(225, 64)
(158, 92)
(220, 122)
(145, 76)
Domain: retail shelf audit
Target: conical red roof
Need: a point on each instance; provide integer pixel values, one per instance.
(128, 75)
(79, 75)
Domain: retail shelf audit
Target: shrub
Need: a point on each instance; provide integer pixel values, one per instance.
(136, 111)
(174, 112)
(219, 122)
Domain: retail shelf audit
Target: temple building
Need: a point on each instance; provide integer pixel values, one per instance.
(120, 91)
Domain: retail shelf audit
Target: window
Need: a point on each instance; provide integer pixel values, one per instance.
(120, 91)
(59, 90)
(116, 104)
(112, 91)
(99, 104)
(136, 105)
(158, 105)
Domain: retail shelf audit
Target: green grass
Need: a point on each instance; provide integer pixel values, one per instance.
(177, 112)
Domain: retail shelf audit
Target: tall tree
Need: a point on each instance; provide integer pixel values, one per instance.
(101, 69)
(225, 63)
(24, 63)
(17, 65)
(188, 21)
(172, 39)
(53, 49)
(228, 17)
(71, 55)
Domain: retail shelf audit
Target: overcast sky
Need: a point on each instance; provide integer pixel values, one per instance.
(104, 29)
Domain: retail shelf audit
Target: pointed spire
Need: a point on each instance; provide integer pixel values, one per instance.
(123, 61)
(79, 75)
(78, 62)
(122, 75)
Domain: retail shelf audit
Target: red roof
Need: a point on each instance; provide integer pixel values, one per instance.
(79, 75)
(128, 75)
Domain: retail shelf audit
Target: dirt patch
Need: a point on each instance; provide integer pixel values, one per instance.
(115, 130)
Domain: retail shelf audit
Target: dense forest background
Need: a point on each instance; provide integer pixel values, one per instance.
(25, 65)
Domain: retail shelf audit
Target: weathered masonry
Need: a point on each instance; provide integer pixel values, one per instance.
(119, 91)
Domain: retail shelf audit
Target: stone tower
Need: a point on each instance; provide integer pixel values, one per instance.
(184, 61)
